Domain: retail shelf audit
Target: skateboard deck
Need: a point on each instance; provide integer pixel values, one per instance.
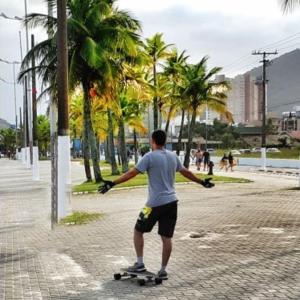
(142, 277)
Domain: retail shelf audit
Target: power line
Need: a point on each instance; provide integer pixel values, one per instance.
(9, 62)
(284, 104)
(274, 44)
(238, 68)
(281, 42)
(288, 47)
(5, 81)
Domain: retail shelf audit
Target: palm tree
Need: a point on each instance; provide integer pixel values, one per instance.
(96, 31)
(77, 129)
(173, 71)
(288, 5)
(156, 49)
(201, 90)
(43, 134)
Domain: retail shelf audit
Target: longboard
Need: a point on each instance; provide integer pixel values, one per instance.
(142, 277)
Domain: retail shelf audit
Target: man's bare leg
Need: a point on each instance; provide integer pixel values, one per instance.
(166, 251)
(138, 239)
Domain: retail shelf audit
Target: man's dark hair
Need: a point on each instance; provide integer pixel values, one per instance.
(159, 137)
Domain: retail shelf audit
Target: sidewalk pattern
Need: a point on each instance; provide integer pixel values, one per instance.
(232, 242)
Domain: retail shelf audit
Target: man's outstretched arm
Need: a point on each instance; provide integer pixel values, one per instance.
(189, 175)
(107, 185)
(127, 176)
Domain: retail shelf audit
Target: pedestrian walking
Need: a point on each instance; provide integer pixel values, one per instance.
(199, 158)
(230, 162)
(206, 158)
(223, 162)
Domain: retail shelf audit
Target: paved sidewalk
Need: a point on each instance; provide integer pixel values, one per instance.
(248, 244)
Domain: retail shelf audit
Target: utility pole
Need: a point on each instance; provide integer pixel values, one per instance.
(23, 151)
(26, 123)
(63, 147)
(29, 104)
(35, 149)
(265, 62)
(16, 113)
(21, 125)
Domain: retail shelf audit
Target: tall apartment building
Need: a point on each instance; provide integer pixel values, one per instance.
(253, 98)
(245, 99)
(236, 98)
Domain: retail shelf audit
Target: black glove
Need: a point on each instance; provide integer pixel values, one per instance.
(105, 186)
(207, 184)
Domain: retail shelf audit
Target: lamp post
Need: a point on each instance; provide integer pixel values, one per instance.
(27, 133)
(15, 100)
(13, 63)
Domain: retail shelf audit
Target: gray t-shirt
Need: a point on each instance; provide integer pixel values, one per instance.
(161, 166)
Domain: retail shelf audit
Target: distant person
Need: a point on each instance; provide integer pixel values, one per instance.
(230, 162)
(223, 162)
(199, 158)
(206, 158)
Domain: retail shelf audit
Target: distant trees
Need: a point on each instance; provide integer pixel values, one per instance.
(43, 135)
(219, 131)
(8, 140)
(115, 76)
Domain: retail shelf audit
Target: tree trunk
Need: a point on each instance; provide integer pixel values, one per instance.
(159, 114)
(169, 119)
(122, 145)
(114, 167)
(90, 132)
(135, 147)
(86, 152)
(190, 139)
(180, 132)
(106, 151)
(155, 100)
(86, 156)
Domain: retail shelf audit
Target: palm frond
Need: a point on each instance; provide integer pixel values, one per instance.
(40, 20)
(289, 5)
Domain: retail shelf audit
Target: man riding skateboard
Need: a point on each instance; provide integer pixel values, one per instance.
(161, 166)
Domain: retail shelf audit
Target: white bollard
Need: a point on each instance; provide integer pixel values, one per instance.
(28, 164)
(63, 178)
(23, 152)
(35, 164)
(264, 159)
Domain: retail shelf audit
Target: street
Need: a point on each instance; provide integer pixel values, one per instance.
(245, 241)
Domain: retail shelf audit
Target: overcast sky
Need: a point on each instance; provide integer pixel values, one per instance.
(227, 31)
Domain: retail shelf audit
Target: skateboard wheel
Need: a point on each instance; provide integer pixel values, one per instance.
(117, 276)
(141, 282)
(158, 281)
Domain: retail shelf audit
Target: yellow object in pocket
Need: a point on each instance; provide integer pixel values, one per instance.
(146, 211)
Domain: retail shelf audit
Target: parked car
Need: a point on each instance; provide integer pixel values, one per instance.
(210, 150)
(256, 150)
(273, 150)
(235, 152)
(247, 151)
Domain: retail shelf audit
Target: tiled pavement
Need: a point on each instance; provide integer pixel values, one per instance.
(248, 245)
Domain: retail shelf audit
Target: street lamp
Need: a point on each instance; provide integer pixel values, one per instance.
(16, 18)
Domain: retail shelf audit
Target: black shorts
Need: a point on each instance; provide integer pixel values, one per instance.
(165, 215)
